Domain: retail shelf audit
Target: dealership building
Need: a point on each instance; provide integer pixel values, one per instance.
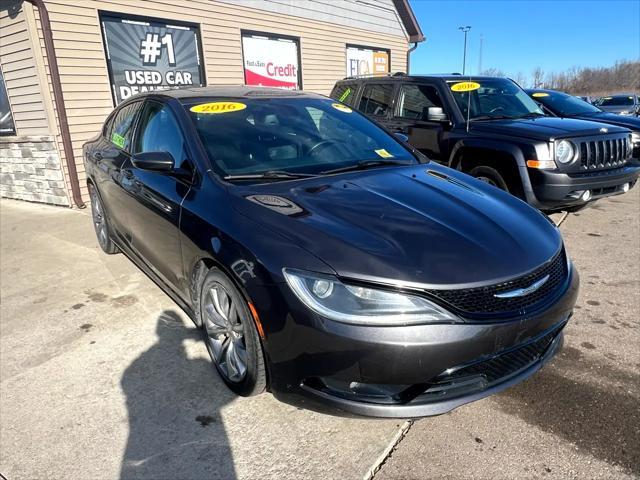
(65, 64)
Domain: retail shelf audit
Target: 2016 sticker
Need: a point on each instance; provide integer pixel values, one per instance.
(540, 94)
(342, 108)
(218, 107)
(118, 140)
(465, 86)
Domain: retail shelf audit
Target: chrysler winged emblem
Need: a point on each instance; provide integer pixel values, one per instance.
(604, 130)
(521, 292)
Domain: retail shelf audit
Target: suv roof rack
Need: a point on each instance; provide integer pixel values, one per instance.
(375, 75)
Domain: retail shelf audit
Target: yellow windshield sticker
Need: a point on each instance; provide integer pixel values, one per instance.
(342, 108)
(540, 94)
(218, 107)
(465, 86)
(383, 153)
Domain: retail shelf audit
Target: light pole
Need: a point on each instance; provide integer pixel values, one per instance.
(464, 55)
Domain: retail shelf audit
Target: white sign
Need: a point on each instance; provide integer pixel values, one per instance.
(270, 62)
(364, 61)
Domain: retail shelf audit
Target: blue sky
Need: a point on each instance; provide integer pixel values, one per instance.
(520, 35)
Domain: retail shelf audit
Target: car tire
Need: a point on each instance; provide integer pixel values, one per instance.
(231, 336)
(491, 176)
(101, 223)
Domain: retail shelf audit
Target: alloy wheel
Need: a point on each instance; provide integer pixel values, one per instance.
(225, 333)
(99, 222)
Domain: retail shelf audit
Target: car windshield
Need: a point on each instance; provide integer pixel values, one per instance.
(563, 104)
(616, 101)
(296, 135)
(492, 98)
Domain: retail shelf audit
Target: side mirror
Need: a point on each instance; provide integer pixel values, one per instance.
(402, 136)
(435, 114)
(153, 161)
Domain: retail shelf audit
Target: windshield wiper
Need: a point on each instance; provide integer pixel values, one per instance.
(532, 115)
(493, 117)
(270, 175)
(363, 165)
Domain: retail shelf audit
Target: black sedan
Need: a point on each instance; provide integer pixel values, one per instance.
(559, 104)
(326, 260)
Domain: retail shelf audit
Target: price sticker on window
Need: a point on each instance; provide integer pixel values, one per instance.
(465, 86)
(218, 107)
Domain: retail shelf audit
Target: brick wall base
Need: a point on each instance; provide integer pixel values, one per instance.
(30, 170)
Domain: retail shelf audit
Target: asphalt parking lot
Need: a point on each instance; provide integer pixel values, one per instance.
(103, 377)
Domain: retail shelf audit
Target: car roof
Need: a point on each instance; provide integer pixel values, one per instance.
(229, 91)
(399, 77)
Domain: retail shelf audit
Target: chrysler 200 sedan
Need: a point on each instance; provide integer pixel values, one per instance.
(325, 259)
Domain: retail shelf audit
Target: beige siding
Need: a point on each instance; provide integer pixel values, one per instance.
(83, 69)
(20, 73)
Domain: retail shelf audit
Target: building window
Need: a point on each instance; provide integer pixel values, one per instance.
(376, 99)
(7, 127)
(271, 60)
(367, 60)
(146, 54)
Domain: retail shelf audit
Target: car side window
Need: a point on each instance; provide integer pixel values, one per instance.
(120, 129)
(158, 131)
(344, 93)
(415, 101)
(376, 99)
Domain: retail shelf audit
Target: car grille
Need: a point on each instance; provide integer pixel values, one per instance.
(486, 373)
(602, 154)
(482, 302)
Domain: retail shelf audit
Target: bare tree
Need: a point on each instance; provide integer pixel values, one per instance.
(492, 72)
(537, 77)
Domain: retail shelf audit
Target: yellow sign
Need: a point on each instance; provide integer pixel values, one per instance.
(383, 153)
(465, 86)
(342, 108)
(218, 107)
(540, 94)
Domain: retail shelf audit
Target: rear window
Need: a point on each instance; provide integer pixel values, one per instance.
(344, 93)
(617, 101)
(299, 135)
(376, 99)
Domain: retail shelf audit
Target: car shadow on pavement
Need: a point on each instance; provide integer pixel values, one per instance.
(173, 402)
(599, 416)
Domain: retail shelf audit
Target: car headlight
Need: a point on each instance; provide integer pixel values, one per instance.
(338, 301)
(564, 151)
(635, 137)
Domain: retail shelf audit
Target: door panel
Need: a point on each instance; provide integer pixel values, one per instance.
(156, 197)
(430, 137)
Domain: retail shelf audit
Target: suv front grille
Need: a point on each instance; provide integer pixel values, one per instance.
(601, 154)
(482, 302)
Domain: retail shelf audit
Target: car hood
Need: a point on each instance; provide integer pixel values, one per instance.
(423, 224)
(541, 128)
(630, 122)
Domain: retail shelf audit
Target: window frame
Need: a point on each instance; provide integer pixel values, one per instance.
(13, 131)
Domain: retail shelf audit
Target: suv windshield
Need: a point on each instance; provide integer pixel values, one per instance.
(253, 136)
(493, 98)
(563, 104)
(616, 101)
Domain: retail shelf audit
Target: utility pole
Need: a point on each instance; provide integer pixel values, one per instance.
(464, 55)
(480, 55)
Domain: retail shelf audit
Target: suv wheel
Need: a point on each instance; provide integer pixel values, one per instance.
(489, 175)
(230, 335)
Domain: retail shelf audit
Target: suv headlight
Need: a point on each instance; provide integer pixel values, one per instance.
(564, 151)
(329, 297)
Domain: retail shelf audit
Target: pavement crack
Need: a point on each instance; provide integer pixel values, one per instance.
(388, 451)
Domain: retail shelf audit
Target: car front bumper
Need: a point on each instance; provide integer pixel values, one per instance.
(430, 369)
(554, 191)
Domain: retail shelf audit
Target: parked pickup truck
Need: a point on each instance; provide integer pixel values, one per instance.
(490, 128)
